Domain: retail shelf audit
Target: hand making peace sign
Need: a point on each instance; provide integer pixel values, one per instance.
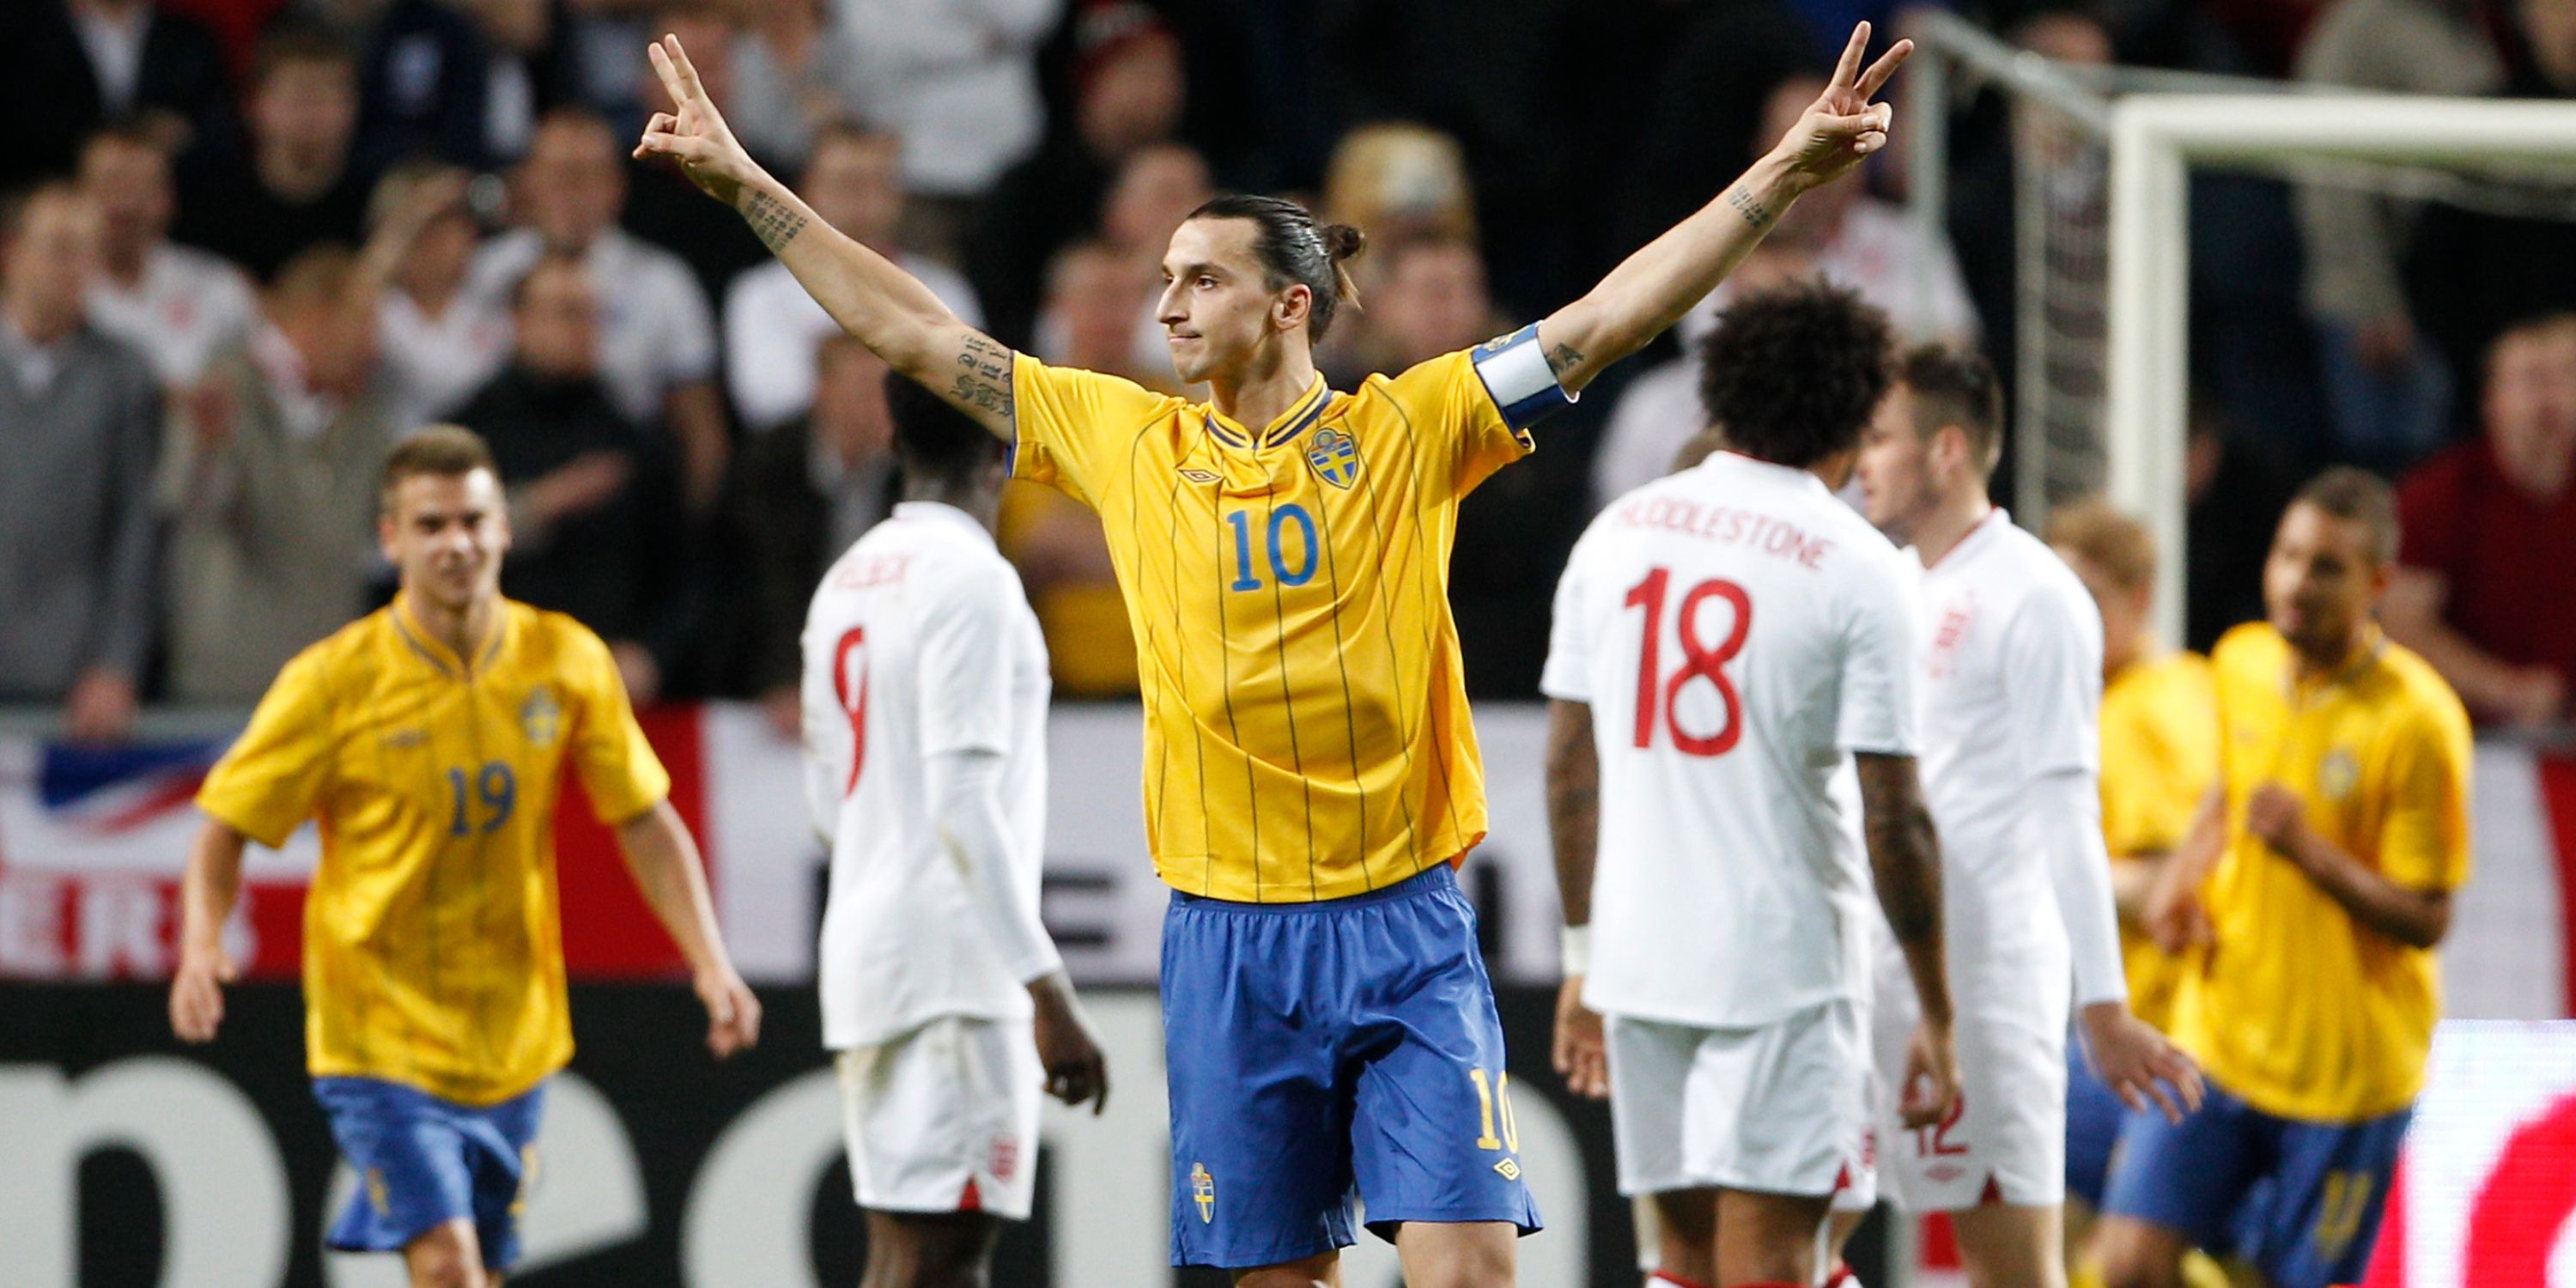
(1843, 125)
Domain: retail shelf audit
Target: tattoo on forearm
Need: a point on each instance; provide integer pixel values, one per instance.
(1563, 359)
(1754, 212)
(773, 221)
(984, 376)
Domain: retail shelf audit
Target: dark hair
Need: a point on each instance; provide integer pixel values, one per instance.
(1790, 375)
(2357, 496)
(1294, 250)
(932, 438)
(298, 41)
(1956, 386)
(437, 451)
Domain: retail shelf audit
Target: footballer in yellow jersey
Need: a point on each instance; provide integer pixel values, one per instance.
(428, 741)
(2340, 831)
(1310, 771)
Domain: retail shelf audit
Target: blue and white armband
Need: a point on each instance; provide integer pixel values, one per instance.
(1516, 374)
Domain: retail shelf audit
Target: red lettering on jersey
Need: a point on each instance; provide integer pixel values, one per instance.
(1727, 525)
(883, 570)
(1955, 620)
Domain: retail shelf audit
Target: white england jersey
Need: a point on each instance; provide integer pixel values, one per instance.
(2012, 691)
(1737, 633)
(920, 641)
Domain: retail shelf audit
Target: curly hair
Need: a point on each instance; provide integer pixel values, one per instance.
(1790, 376)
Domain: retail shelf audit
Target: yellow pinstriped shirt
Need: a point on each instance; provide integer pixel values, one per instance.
(433, 949)
(2159, 758)
(1306, 726)
(2298, 1009)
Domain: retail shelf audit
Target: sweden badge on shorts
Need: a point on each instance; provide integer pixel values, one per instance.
(1335, 457)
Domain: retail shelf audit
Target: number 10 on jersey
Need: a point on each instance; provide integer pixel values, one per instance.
(1658, 694)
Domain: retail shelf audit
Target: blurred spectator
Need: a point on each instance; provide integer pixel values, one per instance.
(795, 75)
(78, 64)
(800, 495)
(1395, 180)
(270, 479)
(1129, 91)
(657, 344)
(2471, 274)
(1838, 233)
(771, 324)
(2389, 390)
(1155, 190)
(448, 341)
(593, 500)
(526, 71)
(2486, 578)
(957, 82)
(296, 186)
(1095, 298)
(422, 76)
(79, 426)
(176, 303)
(1429, 299)
(662, 206)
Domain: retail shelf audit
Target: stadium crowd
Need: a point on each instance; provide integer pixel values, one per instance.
(249, 243)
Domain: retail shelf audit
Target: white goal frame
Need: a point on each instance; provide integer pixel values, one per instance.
(2155, 139)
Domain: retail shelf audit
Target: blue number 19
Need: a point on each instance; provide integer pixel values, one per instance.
(499, 790)
(1305, 571)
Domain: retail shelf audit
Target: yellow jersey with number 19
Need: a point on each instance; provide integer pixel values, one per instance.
(2297, 1008)
(2159, 758)
(1306, 726)
(433, 947)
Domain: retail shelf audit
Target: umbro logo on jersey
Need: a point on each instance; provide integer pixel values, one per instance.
(1198, 475)
(402, 738)
(1335, 457)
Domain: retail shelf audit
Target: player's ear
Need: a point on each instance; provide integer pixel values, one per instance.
(1289, 308)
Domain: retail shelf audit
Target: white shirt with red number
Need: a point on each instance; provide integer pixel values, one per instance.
(920, 641)
(1738, 633)
(2012, 691)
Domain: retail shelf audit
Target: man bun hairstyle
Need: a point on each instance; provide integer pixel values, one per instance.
(1294, 249)
(1790, 376)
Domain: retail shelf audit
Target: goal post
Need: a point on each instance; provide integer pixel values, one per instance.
(2155, 139)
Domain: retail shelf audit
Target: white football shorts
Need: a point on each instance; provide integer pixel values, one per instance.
(1776, 1109)
(944, 1118)
(2005, 1140)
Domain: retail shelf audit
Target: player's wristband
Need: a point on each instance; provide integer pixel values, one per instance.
(1574, 950)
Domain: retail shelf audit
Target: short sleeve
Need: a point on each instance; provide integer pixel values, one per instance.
(962, 656)
(270, 779)
(1882, 647)
(1568, 674)
(2424, 840)
(1071, 427)
(2052, 652)
(2429, 506)
(616, 764)
(1473, 409)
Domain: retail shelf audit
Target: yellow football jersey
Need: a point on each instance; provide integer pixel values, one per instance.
(1306, 726)
(2159, 756)
(2298, 1009)
(433, 950)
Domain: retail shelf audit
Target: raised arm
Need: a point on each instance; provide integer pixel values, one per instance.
(1651, 289)
(888, 309)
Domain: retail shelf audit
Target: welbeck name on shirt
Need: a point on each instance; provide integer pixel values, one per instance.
(1758, 532)
(884, 570)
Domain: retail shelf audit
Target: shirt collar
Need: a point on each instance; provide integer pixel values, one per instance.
(1300, 416)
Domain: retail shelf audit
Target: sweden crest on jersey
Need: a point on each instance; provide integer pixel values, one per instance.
(1335, 457)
